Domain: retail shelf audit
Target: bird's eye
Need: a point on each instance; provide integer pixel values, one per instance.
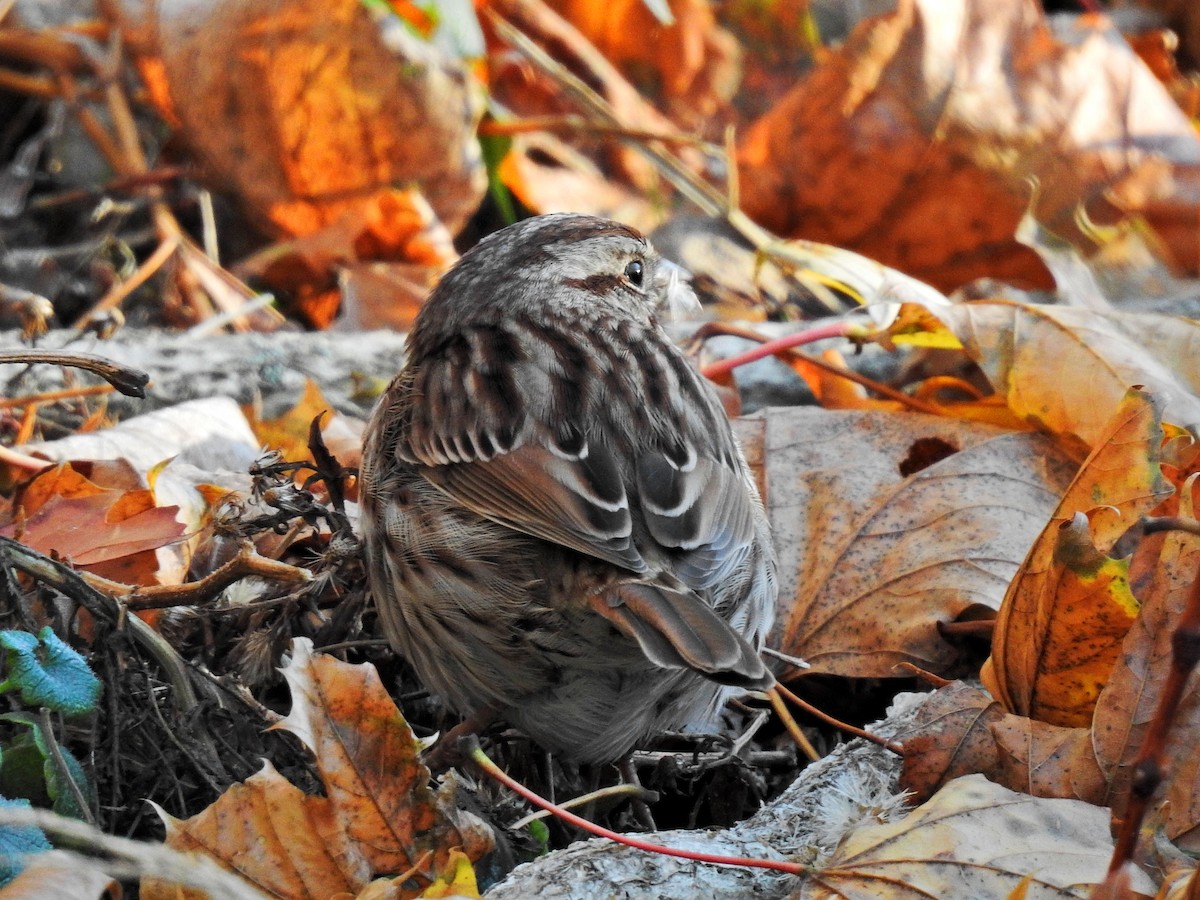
(634, 272)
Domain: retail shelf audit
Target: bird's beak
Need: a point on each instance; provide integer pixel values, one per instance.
(679, 300)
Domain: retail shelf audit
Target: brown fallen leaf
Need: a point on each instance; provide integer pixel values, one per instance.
(688, 66)
(949, 739)
(975, 839)
(1046, 629)
(244, 86)
(1131, 696)
(1047, 760)
(961, 730)
(1091, 610)
(547, 175)
(111, 531)
(914, 143)
(1067, 370)
(378, 816)
(288, 432)
(872, 560)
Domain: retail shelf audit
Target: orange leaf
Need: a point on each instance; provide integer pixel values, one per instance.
(1068, 598)
(289, 432)
(379, 815)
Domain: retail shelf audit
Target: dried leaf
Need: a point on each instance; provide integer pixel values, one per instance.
(874, 554)
(110, 531)
(1048, 625)
(949, 739)
(690, 65)
(288, 433)
(368, 762)
(1131, 697)
(244, 85)
(950, 108)
(1067, 370)
(378, 815)
(975, 839)
(1047, 760)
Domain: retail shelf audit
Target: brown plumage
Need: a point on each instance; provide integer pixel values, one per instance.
(559, 525)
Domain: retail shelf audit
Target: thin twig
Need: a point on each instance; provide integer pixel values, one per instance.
(604, 793)
(840, 725)
(130, 382)
(162, 596)
(710, 329)
(73, 393)
(775, 695)
(60, 766)
(581, 125)
(22, 461)
(472, 750)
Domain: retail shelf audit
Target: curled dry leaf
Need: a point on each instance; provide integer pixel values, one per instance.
(288, 433)
(1131, 696)
(914, 143)
(1065, 371)
(245, 85)
(547, 175)
(950, 738)
(378, 816)
(875, 553)
(1059, 629)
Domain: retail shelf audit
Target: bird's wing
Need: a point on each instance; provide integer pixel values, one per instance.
(676, 629)
(670, 486)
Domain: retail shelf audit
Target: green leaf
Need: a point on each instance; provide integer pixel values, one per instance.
(48, 673)
(16, 842)
(495, 148)
(29, 771)
(22, 774)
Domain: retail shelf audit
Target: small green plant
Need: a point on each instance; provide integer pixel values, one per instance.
(50, 678)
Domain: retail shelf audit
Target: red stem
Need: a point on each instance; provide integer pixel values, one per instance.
(481, 759)
(770, 348)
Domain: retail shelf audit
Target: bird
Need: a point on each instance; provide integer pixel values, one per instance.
(559, 527)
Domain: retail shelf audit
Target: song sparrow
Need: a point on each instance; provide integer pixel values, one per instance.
(559, 525)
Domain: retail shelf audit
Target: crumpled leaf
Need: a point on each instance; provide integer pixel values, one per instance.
(378, 816)
(288, 432)
(961, 730)
(1089, 608)
(112, 531)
